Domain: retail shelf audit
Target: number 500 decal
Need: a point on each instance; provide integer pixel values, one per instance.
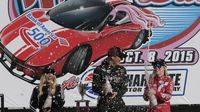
(39, 37)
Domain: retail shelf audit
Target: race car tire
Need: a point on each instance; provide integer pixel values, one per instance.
(141, 38)
(78, 60)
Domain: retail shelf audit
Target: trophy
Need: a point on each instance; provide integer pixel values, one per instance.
(82, 89)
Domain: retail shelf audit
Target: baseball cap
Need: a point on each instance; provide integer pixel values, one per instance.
(116, 51)
(48, 70)
(158, 63)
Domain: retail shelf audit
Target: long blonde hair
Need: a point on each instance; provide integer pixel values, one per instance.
(44, 78)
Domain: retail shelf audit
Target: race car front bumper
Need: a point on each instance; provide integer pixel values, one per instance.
(12, 65)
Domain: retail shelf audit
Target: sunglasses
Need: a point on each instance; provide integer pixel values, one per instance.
(157, 66)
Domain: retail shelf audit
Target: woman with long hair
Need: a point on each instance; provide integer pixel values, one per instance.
(48, 96)
(159, 89)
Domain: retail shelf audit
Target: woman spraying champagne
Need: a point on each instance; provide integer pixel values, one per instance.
(159, 89)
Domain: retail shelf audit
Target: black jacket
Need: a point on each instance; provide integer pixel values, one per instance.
(57, 101)
(118, 80)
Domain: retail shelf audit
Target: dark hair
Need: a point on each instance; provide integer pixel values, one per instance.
(116, 51)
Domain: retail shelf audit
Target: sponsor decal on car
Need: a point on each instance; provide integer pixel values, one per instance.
(41, 33)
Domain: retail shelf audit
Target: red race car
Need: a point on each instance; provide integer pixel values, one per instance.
(68, 37)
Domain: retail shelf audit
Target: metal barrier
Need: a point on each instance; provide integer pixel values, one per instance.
(2, 102)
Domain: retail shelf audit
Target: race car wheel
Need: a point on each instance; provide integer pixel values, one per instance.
(141, 38)
(78, 60)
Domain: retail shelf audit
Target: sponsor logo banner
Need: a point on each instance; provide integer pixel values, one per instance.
(137, 82)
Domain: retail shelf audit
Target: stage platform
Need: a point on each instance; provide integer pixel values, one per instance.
(174, 108)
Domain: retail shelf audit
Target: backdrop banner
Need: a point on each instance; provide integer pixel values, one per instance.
(177, 42)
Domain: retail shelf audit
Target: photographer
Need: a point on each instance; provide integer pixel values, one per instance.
(110, 82)
(48, 96)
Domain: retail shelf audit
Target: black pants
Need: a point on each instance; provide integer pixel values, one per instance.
(114, 105)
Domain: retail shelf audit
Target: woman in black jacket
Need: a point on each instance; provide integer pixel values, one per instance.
(48, 96)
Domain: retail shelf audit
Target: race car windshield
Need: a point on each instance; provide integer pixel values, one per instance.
(85, 15)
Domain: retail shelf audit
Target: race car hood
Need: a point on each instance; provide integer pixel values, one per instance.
(38, 41)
